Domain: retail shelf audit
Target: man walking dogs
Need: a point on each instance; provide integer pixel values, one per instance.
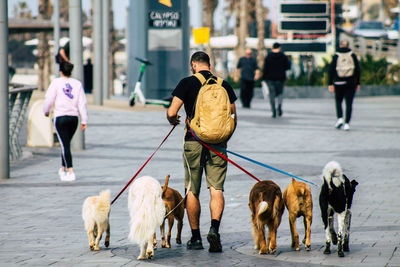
(344, 80)
(196, 157)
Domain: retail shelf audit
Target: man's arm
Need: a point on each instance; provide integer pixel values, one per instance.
(258, 75)
(236, 75)
(357, 71)
(265, 69)
(332, 73)
(172, 112)
(64, 55)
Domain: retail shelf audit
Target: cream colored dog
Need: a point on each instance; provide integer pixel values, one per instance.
(95, 213)
(147, 211)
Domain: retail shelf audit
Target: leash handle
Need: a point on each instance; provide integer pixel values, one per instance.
(222, 156)
(165, 138)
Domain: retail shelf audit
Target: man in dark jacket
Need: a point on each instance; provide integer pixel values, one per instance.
(249, 73)
(275, 66)
(344, 81)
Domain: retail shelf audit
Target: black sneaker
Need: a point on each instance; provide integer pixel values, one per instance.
(214, 240)
(194, 244)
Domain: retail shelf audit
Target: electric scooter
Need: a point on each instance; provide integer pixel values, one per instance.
(137, 94)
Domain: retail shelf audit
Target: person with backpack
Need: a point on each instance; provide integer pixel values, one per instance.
(209, 104)
(344, 81)
(276, 64)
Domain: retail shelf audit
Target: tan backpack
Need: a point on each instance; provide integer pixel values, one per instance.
(345, 65)
(212, 121)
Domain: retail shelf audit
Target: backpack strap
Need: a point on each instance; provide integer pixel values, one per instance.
(219, 81)
(200, 77)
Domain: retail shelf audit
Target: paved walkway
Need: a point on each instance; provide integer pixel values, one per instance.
(40, 222)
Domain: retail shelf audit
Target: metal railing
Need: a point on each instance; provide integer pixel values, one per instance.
(19, 97)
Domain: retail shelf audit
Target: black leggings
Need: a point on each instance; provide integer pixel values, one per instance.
(347, 92)
(246, 92)
(65, 128)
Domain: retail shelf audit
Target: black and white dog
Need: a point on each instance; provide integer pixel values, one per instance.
(336, 196)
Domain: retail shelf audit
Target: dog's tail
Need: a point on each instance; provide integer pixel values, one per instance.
(300, 191)
(332, 172)
(165, 187)
(262, 207)
(103, 205)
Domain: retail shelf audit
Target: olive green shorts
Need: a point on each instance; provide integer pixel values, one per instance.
(215, 168)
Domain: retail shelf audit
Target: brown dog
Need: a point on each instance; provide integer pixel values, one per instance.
(174, 208)
(298, 200)
(266, 205)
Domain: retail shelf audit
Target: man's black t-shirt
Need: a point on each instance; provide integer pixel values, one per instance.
(188, 88)
(247, 67)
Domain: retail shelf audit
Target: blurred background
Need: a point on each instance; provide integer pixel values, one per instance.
(234, 25)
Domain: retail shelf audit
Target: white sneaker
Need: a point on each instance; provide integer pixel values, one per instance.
(69, 177)
(61, 174)
(339, 123)
(346, 127)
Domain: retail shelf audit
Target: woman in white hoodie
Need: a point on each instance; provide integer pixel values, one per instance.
(70, 102)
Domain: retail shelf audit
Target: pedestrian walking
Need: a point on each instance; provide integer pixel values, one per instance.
(69, 98)
(276, 64)
(196, 157)
(249, 73)
(344, 81)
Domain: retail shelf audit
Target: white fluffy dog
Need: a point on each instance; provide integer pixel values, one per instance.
(147, 211)
(95, 213)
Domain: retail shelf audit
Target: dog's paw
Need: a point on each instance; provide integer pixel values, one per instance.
(150, 254)
(308, 247)
(107, 243)
(96, 248)
(263, 251)
(141, 257)
(272, 250)
(178, 241)
(327, 250)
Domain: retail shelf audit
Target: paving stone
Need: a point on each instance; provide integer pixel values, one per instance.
(40, 217)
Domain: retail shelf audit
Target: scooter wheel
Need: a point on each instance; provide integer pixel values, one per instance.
(132, 102)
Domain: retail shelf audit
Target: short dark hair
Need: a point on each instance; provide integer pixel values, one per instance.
(276, 45)
(200, 56)
(66, 68)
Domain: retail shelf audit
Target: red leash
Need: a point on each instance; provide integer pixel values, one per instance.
(143, 166)
(222, 156)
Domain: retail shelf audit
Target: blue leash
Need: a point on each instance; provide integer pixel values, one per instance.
(262, 164)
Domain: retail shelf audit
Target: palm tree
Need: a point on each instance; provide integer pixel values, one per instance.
(209, 7)
(44, 62)
(243, 28)
(260, 18)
